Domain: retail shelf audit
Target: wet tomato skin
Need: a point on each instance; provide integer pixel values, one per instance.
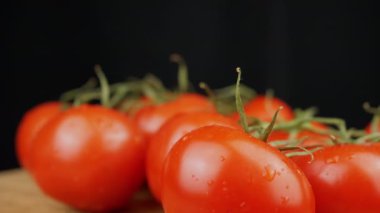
(89, 157)
(169, 133)
(345, 178)
(221, 169)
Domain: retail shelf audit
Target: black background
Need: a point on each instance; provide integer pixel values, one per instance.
(322, 53)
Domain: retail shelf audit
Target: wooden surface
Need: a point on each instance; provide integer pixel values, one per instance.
(19, 193)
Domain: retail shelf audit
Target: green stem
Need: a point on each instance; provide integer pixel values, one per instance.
(153, 94)
(374, 126)
(229, 91)
(104, 86)
(183, 75)
(305, 113)
(209, 92)
(85, 98)
(375, 123)
(239, 102)
(71, 94)
(304, 152)
(372, 110)
(284, 143)
(339, 123)
(370, 137)
(320, 131)
(155, 83)
(118, 96)
(269, 129)
(123, 90)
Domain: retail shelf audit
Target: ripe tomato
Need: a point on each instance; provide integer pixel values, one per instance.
(89, 157)
(162, 142)
(345, 178)
(264, 108)
(31, 123)
(221, 169)
(150, 118)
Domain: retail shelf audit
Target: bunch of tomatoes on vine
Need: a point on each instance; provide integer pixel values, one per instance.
(222, 150)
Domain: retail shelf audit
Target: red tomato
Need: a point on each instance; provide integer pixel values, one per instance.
(150, 118)
(345, 178)
(31, 123)
(221, 169)
(162, 142)
(89, 157)
(264, 109)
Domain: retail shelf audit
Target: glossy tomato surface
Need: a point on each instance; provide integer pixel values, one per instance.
(162, 142)
(89, 157)
(264, 108)
(345, 178)
(31, 123)
(150, 118)
(220, 169)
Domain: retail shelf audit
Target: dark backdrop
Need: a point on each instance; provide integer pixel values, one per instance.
(322, 53)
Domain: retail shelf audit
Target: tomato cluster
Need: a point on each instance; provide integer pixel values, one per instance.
(95, 156)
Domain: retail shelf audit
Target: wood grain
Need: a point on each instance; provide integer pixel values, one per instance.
(19, 193)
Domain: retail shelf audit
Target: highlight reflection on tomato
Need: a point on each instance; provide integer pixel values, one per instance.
(162, 142)
(89, 157)
(220, 169)
(345, 178)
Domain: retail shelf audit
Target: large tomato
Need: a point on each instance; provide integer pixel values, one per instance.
(162, 142)
(89, 157)
(345, 178)
(31, 123)
(150, 118)
(221, 169)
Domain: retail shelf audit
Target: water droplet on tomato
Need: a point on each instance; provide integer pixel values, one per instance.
(222, 158)
(242, 204)
(210, 182)
(334, 159)
(269, 173)
(284, 200)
